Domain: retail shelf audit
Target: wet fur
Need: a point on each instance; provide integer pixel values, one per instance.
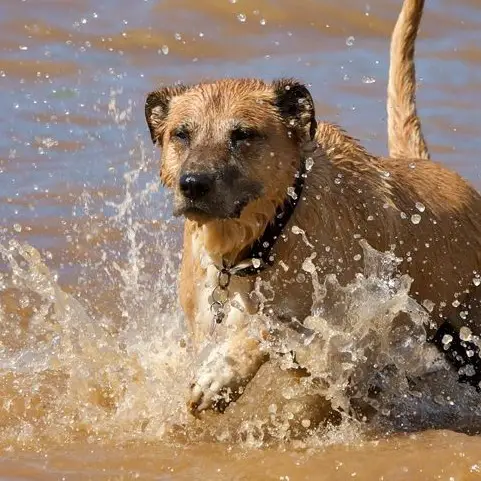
(349, 195)
(405, 137)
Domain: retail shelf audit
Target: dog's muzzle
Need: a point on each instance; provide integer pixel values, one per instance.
(194, 186)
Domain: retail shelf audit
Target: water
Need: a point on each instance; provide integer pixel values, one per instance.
(94, 358)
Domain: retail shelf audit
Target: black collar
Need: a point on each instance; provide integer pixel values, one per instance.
(260, 251)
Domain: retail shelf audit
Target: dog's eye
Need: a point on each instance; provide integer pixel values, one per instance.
(180, 133)
(242, 134)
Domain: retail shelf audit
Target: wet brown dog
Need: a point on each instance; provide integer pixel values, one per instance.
(233, 151)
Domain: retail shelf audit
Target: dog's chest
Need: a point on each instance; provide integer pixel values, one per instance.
(236, 299)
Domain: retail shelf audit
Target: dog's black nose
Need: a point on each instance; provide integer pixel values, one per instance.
(195, 185)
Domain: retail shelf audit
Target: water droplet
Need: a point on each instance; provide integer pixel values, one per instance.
(447, 339)
(415, 218)
(309, 163)
(284, 266)
(262, 21)
(23, 47)
(420, 207)
(165, 49)
(385, 174)
(17, 227)
(256, 263)
(455, 303)
(291, 192)
(465, 334)
(178, 36)
(242, 17)
(350, 41)
(301, 278)
(368, 80)
(428, 305)
(463, 314)
(357, 257)
(306, 423)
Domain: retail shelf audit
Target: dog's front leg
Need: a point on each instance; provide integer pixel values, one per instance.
(228, 368)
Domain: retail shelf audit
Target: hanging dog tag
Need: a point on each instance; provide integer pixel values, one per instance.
(219, 317)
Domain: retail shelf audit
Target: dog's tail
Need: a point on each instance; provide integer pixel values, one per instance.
(405, 137)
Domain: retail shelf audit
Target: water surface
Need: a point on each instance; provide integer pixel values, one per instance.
(92, 357)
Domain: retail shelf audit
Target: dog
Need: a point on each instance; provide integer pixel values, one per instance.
(263, 186)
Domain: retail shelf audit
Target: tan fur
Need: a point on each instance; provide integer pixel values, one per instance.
(348, 195)
(405, 137)
(209, 106)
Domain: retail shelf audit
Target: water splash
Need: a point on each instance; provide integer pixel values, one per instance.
(67, 371)
(65, 375)
(70, 370)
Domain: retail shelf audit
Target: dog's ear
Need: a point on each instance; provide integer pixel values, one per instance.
(296, 107)
(157, 108)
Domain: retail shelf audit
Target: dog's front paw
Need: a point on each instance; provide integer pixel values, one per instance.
(215, 387)
(223, 375)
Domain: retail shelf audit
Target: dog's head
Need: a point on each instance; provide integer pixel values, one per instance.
(228, 143)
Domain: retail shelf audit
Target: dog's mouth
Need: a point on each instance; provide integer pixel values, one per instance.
(203, 212)
(194, 213)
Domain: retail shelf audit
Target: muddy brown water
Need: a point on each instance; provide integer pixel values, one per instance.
(78, 182)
